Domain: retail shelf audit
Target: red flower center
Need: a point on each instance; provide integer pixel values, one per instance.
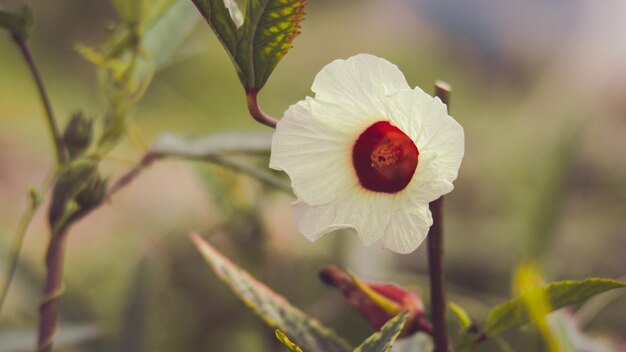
(384, 158)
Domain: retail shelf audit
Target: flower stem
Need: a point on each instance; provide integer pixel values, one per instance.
(255, 110)
(52, 125)
(435, 257)
(53, 288)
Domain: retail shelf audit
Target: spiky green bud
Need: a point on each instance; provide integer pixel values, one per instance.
(78, 135)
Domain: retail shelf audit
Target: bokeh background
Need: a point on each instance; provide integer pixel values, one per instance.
(540, 88)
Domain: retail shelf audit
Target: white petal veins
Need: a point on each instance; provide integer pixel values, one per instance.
(360, 81)
(318, 161)
(439, 138)
(410, 221)
(366, 212)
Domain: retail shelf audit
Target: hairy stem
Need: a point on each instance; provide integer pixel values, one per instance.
(61, 153)
(53, 288)
(255, 110)
(435, 257)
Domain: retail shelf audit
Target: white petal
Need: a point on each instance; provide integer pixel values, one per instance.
(366, 212)
(358, 84)
(427, 184)
(410, 221)
(347, 119)
(441, 136)
(438, 137)
(318, 161)
(409, 109)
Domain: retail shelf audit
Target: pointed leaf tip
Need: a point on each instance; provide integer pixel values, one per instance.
(287, 342)
(382, 340)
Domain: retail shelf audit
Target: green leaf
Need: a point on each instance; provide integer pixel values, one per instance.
(461, 314)
(420, 342)
(526, 284)
(382, 340)
(20, 24)
(267, 33)
(149, 38)
(285, 341)
(166, 34)
(223, 24)
(513, 314)
(269, 306)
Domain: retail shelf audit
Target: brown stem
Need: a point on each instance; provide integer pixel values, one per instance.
(127, 178)
(437, 278)
(53, 288)
(435, 257)
(52, 125)
(424, 325)
(255, 110)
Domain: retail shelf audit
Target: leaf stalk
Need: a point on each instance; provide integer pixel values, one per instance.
(255, 110)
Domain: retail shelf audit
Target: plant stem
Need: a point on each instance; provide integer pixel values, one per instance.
(52, 125)
(244, 168)
(53, 288)
(435, 257)
(127, 178)
(255, 110)
(14, 255)
(15, 252)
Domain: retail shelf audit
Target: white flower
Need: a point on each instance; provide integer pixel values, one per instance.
(368, 153)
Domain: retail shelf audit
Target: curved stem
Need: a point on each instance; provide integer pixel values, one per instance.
(255, 110)
(52, 125)
(53, 288)
(435, 257)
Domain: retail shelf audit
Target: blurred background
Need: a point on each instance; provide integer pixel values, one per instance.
(539, 86)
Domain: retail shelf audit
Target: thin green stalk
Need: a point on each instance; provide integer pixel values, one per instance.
(16, 248)
(61, 153)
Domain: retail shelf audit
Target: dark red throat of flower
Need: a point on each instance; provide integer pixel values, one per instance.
(384, 158)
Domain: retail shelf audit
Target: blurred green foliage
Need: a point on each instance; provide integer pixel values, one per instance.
(543, 177)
